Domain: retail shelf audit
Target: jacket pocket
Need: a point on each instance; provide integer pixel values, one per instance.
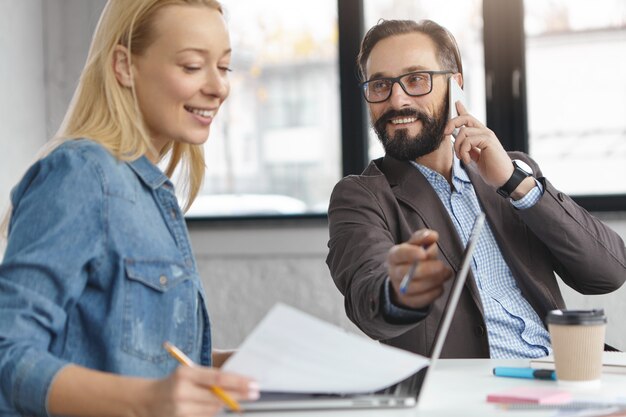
(160, 304)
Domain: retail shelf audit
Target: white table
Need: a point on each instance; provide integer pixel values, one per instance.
(459, 387)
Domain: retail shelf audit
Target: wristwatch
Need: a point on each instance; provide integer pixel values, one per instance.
(520, 172)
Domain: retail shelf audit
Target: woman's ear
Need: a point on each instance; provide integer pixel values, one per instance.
(121, 66)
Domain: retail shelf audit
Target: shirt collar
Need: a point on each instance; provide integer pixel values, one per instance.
(459, 175)
(149, 173)
(458, 172)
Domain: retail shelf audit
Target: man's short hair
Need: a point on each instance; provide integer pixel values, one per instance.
(447, 48)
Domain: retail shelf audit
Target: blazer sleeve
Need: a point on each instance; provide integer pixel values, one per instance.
(589, 256)
(360, 238)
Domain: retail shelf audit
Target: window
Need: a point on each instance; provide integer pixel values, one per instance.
(577, 93)
(464, 20)
(275, 146)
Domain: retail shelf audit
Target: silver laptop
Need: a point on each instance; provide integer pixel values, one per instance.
(405, 393)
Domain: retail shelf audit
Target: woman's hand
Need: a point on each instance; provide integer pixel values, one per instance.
(78, 391)
(187, 392)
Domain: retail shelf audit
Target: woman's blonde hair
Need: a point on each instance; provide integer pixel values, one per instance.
(106, 112)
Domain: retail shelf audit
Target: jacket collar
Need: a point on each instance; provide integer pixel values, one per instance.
(148, 173)
(413, 189)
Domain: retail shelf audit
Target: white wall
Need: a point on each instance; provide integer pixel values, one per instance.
(22, 106)
(43, 46)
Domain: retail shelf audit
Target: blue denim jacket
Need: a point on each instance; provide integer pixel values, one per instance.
(98, 271)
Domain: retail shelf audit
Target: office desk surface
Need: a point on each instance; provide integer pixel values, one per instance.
(459, 387)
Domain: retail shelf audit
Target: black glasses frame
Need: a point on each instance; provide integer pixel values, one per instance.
(398, 79)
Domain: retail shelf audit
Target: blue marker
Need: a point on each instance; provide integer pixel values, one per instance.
(528, 373)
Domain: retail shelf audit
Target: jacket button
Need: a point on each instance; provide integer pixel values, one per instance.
(561, 197)
(479, 331)
(163, 280)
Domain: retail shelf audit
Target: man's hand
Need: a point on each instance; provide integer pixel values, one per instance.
(426, 284)
(475, 142)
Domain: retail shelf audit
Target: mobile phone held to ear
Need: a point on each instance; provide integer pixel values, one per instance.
(455, 93)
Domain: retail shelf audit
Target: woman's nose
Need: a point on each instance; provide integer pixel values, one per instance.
(217, 85)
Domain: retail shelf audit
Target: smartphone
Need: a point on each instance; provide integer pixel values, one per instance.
(455, 93)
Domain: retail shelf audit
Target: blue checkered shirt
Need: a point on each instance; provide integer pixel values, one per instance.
(513, 327)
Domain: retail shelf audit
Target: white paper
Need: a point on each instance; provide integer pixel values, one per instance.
(290, 351)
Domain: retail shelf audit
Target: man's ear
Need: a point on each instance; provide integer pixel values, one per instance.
(121, 66)
(459, 78)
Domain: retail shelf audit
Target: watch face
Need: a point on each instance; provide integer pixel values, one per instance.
(523, 166)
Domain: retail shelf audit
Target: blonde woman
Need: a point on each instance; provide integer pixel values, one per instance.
(98, 270)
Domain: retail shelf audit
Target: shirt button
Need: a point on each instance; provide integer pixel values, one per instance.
(173, 214)
(163, 280)
(561, 197)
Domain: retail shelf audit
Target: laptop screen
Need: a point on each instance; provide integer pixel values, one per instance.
(457, 288)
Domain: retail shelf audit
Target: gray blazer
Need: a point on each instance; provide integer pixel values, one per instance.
(371, 212)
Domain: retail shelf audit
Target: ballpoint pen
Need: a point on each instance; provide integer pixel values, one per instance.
(524, 373)
(406, 280)
(220, 393)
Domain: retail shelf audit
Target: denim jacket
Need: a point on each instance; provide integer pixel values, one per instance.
(98, 271)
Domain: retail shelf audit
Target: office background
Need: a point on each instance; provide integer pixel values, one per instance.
(273, 165)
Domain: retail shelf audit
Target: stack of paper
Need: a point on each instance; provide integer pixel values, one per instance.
(290, 351)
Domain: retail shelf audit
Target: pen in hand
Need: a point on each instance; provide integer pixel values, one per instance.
(220, 393)
(524, 373)
(406, 280)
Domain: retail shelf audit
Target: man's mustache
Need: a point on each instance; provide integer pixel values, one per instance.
(408, 112)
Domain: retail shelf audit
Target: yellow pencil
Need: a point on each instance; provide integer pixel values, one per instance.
(220, 393)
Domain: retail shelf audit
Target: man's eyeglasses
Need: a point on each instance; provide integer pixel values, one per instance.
(414, 84)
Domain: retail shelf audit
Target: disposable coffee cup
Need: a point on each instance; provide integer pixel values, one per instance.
(578, 343)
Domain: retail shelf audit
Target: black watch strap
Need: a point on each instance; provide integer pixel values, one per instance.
(517, 177)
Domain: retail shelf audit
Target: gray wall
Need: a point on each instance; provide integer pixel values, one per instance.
(246, 267)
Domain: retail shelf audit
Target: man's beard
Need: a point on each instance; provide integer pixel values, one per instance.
(405, 148)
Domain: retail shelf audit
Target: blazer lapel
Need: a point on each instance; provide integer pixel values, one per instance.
(410, 187)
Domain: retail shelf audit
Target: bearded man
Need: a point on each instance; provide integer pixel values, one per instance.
(408, 216)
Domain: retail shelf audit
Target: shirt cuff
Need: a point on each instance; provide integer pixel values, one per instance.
(530, 199)
(400, 314)
(33, 375)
